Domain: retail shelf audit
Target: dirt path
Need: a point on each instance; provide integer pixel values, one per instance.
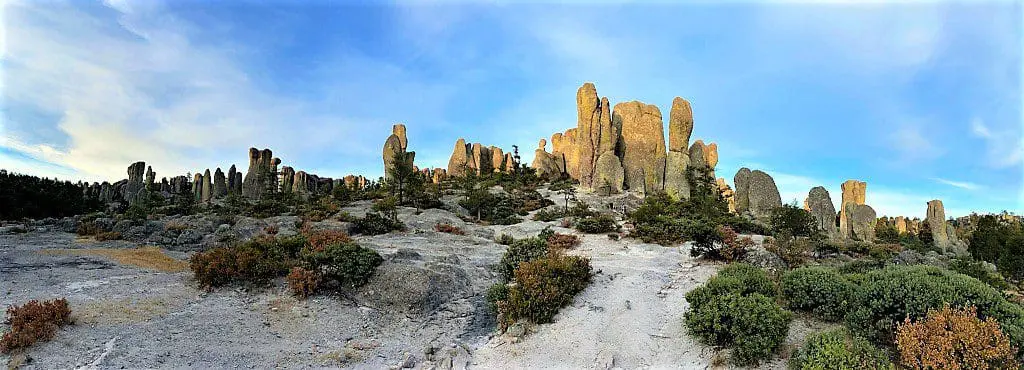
(629, 317)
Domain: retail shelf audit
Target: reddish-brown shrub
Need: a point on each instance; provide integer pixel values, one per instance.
(303, 282)
(88, 228)
(112, 235)
(563, 241)
(543, 286)
(33, 322)
(318, 240)
(955, 339)
(733, 246)
(271, 230)
(448, 228)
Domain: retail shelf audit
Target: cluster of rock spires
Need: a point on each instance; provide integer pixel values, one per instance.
(624, 148)
(611, 150)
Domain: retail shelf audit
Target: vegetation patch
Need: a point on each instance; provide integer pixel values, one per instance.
(839, 349)
(736, 308)
(33, 322)
(820, 290)
(449, 229)
(953, 338)
(602, 223)
(151, 258)
(542, 287)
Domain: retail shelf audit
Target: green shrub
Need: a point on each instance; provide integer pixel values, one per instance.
(738, 278)
(792, 250)
(505, 239)
(88, 228)
(349, 264)
(548, 214)
(495, 294)
(255, 261)
(520, 251)
(543, 286)
(890, 295)
(837, 349)
(376, 224)
(754, 324)
(793, 220)
(601, 223)
(977, 270)
(820, 290)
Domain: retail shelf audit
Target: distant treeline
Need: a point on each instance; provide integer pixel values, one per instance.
(25, 196)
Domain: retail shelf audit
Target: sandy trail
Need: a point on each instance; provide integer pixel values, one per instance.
(629, 317)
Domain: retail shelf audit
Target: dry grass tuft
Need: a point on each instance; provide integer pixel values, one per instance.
(151, 258)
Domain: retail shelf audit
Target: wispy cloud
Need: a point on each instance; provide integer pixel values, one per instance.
(1004, 148)
(911, 143)
(959, 184)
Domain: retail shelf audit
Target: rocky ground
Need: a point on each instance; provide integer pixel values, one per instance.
(424, 308)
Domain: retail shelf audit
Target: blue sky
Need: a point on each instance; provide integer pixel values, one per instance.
(920, 99)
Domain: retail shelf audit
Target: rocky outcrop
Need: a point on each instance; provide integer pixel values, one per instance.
(711, 155)
(936, 219)
(398, 129)
(207, 186)
(595, 134)
(287, 179)
(642, 143)
(134, 190)
(150, 177)
(261, 178)
(854, 192)
(392, 146)
(544, 163)
(197, 187)
(742, 183)
(233, 187)
(860, 219)
(727, 194)
(220, 186)
(459, 163)
(680, 126)
(697, 157)
(303, 183)
(762, 195)
(482, 159)
(901, 224)
(497, 159)
(609, 175)
(510, 163)
(819, 204)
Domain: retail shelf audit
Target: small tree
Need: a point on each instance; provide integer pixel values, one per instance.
(401, 177)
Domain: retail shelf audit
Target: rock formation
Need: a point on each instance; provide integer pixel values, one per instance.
(135, 189)
(220, 186)
(762, 195)
(727, 194)
(936, 219)
(680, 126)
(544, 163)
(642, 145)
(231, 180)
(482, 159)
(287, 179)
(742, 183)
(396, 143)
(261, 178)
(207, 188)
(594, 134)
(854, 192)
(398, 129)
(901, 224)
(860, 219)
(238, 183)
(303, 183)
(819, 204)
(150, 177)
(459, 163)
(608, 175)
(197, 187)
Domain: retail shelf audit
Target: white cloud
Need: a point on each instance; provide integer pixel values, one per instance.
(958, 184)
(979, 129)
(1003, 148)
(911, 143)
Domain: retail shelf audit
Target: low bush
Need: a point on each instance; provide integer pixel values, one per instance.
(792, 250)
(736, 308)
(820, 290)
(255, 261)
(734, 247)
(110, 235)
(562, 241)
(542, 287)
(495, 294)
(548, 215)
(601, 223)
(977, 270)
(888, 296)
(89, 228)
(837, 349)
(954, 339)
(448, 228)
(520, 251)
(302, 282)
(376, 224)
(34, 321)
(754, 324)
(505, 239)
(346, 263)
